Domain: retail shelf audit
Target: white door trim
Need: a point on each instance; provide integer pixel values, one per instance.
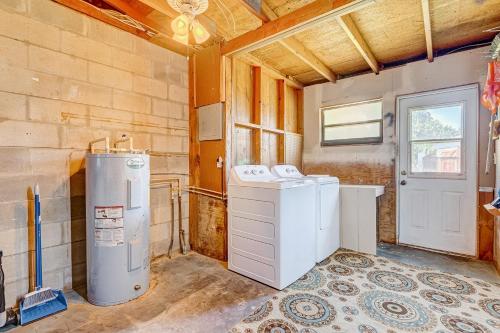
(399, 98)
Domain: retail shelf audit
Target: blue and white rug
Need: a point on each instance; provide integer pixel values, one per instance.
(352, 292)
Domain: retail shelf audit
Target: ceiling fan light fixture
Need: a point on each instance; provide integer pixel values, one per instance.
(200, 34)
(180, 25)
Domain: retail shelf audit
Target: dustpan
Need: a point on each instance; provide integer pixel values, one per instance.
(41, 302)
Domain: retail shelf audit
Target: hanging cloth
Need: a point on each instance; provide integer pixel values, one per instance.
(491, 101)
(491, 92)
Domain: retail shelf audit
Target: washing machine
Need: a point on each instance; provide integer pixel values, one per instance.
(271, 225)
(327, 208)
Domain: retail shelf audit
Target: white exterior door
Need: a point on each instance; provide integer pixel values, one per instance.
(437, 173)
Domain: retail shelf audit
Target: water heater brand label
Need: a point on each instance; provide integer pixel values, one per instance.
(135, 163)
(110, 212)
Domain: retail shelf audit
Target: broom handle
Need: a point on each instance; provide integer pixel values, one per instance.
(38, 240)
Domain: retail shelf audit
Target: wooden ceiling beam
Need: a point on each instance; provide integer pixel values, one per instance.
(300, 51)
(92, 11)
(427, 28)
(139, 12)
(352, 31)
(291, 23)
(254, 11)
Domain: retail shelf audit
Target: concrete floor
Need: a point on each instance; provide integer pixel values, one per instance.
(194, 294)
(483, 270)
(191, 293)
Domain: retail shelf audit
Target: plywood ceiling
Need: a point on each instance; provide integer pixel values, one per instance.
(390, 31)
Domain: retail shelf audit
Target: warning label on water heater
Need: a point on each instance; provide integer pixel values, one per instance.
(108, 226)
(109, 237)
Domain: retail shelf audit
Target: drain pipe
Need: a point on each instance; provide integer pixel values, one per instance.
(182, 241)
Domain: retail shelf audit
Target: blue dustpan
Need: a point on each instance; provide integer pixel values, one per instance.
(42, 302)
(43, 310)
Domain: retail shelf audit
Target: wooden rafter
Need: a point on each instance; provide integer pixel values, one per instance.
(291, 23)
(139, 12)
(297, 48)
(427, 28)
(352, 31)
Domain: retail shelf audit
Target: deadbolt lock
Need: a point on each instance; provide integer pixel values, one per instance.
(403, 173)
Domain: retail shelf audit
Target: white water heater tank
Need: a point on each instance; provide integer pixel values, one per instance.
(117, 197)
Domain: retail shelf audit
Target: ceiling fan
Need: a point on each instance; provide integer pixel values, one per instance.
(186, 22)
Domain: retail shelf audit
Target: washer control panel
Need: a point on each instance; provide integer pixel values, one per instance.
(286, 171)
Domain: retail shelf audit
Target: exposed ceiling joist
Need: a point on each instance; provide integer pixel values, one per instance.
(139, 12)
(95, 12)
(297, 48)
(253, 60)
(352, 31)
(255, 9)
(289, 24)
(427, 28)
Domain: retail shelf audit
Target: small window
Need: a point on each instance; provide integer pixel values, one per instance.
(436, 140)
(357, 123)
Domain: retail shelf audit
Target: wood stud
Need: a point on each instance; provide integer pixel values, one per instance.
(427, 28)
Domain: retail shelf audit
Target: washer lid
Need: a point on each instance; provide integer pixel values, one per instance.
(323, 179)
(260, 176)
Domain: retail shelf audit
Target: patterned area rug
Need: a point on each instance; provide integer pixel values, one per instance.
(352, 292)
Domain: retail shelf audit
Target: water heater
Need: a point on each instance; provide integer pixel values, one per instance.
(117, 198)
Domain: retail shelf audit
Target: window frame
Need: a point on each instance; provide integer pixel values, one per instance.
(462, 139)
(352, 141)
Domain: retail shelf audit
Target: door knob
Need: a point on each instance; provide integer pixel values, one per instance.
(403, 182)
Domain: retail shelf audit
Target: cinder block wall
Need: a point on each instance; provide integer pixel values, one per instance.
(66, 79)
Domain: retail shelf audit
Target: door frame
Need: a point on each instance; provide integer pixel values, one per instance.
(397, 172)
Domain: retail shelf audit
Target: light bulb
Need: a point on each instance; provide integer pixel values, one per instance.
(200, 33)
(180, 25)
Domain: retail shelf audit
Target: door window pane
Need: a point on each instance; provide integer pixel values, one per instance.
(359, 131)
(443, 122)
(436, 157)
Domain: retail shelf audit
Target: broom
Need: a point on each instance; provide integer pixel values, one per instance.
(41, 302)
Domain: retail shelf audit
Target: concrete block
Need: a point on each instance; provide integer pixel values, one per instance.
(52, 62)
(178, 94)
(178, 164)
(150, 87)
(168, 109)
(27, 82)
(178, 123)
(86, 48)
(55, 210)
(19, 6)
(110, 118)
(13, 214)
(159, 232)
(54, 111)
(13, 52)
(168, 73)
(146, 49)
(132, 62)
(27, 134)
(56, 257)
(12, 106)
(17, 163)
(13, 25)
(150, 121)
(49, 12)
(105, 33)
(14, 241)
(50, 161)
(158, 164)
(44, 35)
(79, 137)
(16, 267)
(141, 140)
(110, 77)
(167, 144)
(178, 61)
(81, 92)
(128, 101)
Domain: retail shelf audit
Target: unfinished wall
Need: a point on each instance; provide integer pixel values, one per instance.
(374, 164)
(66, 79)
